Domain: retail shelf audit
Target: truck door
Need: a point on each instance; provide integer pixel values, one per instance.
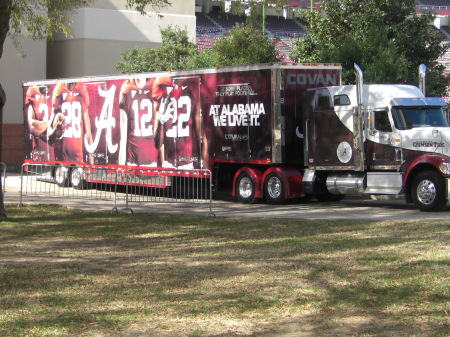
(330, 141)
(381, 152)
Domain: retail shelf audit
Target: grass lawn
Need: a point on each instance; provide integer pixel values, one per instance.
(67, 272)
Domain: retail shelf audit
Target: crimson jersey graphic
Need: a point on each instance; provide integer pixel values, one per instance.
(137, 124)
(37, 102)
(178, 109)
(72, 101)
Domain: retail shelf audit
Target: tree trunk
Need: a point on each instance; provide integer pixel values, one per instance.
(2, 205)
(5, 15)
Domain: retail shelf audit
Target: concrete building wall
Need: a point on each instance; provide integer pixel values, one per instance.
(87, 57)
(104, 30)
(15, 69)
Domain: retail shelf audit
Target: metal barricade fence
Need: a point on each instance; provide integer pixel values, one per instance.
(64, 182)
(3, 169)
(168, 186)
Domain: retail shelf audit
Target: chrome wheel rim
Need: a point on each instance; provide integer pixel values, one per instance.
(274, 187)
(61, 174)
(245, 188)
(426, 192)
(76, 177)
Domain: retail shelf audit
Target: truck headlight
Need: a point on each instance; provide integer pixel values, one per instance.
(445, 168)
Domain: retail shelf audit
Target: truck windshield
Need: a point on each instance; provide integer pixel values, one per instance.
(413, 117)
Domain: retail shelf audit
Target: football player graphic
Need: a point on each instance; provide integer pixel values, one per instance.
(71, 117)
(38, 108)
(178, 135)
(137, 124)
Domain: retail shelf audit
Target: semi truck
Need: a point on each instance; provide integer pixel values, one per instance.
(267, 132)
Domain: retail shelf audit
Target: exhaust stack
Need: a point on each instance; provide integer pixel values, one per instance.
(422, 74)
(359, 84)
(358, 120)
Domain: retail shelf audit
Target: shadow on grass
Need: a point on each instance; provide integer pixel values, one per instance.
(78, 272)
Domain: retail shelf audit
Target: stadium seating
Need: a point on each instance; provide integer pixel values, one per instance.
(226, 20)
(211, 26)
(282, 31)
(436, 3)
(279, 26)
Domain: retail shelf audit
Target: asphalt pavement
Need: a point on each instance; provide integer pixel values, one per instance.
(349, 208)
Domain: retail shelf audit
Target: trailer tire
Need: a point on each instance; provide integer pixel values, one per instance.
(245, 189)
(428, 192)
(77, 178)
(274, 189)
(61, 176)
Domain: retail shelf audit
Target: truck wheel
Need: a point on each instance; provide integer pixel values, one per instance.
(245, 189)
(77, 178)
(274, 189)
(61, 176)
(428, 192)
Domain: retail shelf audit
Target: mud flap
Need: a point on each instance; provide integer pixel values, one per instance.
(447, 189)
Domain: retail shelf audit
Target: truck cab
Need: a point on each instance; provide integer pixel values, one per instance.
(392, 140)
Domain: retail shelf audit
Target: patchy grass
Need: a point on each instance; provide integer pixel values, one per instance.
(67, 272)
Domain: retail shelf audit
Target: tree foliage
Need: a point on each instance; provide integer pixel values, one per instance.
(173, 54)
(244, 44)
(36, 19)
(142, 5)
(40, 19)
(384, 37)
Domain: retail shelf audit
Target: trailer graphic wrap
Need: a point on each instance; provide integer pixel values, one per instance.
(104, 115)
(37, 110)
(139, 121)
(70, 104)
(182, 121)
(237, 112)
(179, 126)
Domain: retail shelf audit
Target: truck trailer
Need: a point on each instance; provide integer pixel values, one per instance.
(265, 132)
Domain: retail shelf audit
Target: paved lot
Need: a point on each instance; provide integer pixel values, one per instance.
(349, 208)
